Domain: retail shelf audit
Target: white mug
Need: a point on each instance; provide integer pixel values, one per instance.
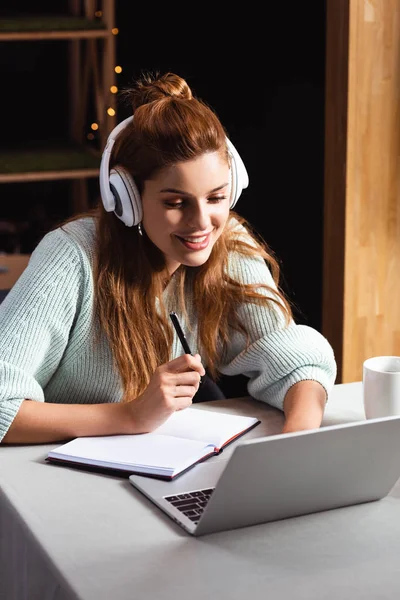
(381, 386)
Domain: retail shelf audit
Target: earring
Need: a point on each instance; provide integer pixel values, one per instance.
(139, 228)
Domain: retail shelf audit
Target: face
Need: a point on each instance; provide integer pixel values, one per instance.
(186, 207)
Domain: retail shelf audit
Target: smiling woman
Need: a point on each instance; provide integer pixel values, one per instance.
(93, 351)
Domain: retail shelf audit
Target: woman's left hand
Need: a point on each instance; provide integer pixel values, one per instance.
(304, 406)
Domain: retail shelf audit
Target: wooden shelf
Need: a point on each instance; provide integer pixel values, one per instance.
(51, 28)
(50, 163)
(91, 76)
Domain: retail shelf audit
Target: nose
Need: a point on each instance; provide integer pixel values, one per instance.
(198, 217)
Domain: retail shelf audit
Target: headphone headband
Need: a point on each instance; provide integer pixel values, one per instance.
(106, 194)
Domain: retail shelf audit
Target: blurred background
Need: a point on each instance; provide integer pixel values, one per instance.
(262, 69)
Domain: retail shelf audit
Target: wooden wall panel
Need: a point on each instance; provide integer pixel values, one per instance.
(337, 37)
(365, 208)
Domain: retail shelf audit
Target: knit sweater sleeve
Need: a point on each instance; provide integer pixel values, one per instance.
(279, 355)
(36, 318)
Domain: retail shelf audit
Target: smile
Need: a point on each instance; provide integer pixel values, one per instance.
(195, 242)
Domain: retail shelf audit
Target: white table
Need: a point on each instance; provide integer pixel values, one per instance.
(67, 534)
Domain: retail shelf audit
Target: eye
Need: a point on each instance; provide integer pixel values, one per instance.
(174, 203)
(216, 199)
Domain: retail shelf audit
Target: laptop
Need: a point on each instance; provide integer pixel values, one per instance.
(281, 476)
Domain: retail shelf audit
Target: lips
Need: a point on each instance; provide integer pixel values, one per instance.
(195, 242)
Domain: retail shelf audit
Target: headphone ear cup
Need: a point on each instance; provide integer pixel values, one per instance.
(239, 175)
(128, 204)
(235, 193)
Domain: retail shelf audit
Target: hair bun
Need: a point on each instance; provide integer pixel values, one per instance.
(151, 88)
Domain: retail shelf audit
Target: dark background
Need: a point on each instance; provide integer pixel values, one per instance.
(263, 71)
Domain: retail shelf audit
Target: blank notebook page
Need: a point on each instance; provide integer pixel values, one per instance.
(205, 425)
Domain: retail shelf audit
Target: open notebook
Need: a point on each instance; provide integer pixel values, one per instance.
(186, 438)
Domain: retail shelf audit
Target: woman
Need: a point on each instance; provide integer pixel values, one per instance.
(87, 347)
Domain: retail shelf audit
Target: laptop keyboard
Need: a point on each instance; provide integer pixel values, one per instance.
(191, 504)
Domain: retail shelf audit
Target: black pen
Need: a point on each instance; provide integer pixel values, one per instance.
(180, 333)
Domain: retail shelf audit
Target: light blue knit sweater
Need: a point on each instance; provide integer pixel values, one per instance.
(47, 324)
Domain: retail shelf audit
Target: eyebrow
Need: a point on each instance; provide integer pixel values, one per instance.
(183, 193)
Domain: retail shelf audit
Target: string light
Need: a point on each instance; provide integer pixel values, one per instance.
(113, 89)
(98, 13)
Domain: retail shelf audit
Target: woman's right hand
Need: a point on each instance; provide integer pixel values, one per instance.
(172, 387)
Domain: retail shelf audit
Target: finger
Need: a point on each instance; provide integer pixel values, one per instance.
(184, 363)
(186, 378)
(188, 362)
(185, 391)
(182, 403)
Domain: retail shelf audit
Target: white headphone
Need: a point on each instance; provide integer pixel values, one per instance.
(119, 192)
